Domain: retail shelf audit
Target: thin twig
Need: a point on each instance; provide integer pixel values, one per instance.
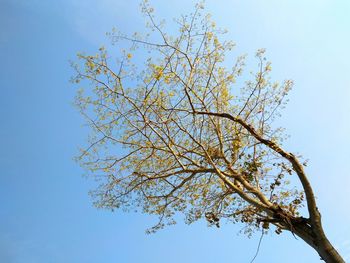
(257, 250)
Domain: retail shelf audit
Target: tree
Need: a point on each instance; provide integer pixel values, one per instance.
(177, 136)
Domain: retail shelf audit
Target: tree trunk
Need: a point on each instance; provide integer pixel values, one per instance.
(328, 253)
(316, 238)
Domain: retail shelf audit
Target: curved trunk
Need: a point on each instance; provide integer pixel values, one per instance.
(316, 238)
(328, 253)
(310, 230)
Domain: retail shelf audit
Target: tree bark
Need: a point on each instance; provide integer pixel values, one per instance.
(328, 253)
(316, 238)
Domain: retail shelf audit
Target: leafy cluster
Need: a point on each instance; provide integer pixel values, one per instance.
(183, 133)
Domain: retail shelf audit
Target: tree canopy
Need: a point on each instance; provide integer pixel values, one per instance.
(190, 131)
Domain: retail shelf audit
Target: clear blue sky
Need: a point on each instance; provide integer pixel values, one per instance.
(46, 215)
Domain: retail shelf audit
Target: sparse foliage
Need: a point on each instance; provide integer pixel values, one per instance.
(187, 133)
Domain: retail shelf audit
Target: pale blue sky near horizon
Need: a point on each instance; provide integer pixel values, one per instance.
(46, 214)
